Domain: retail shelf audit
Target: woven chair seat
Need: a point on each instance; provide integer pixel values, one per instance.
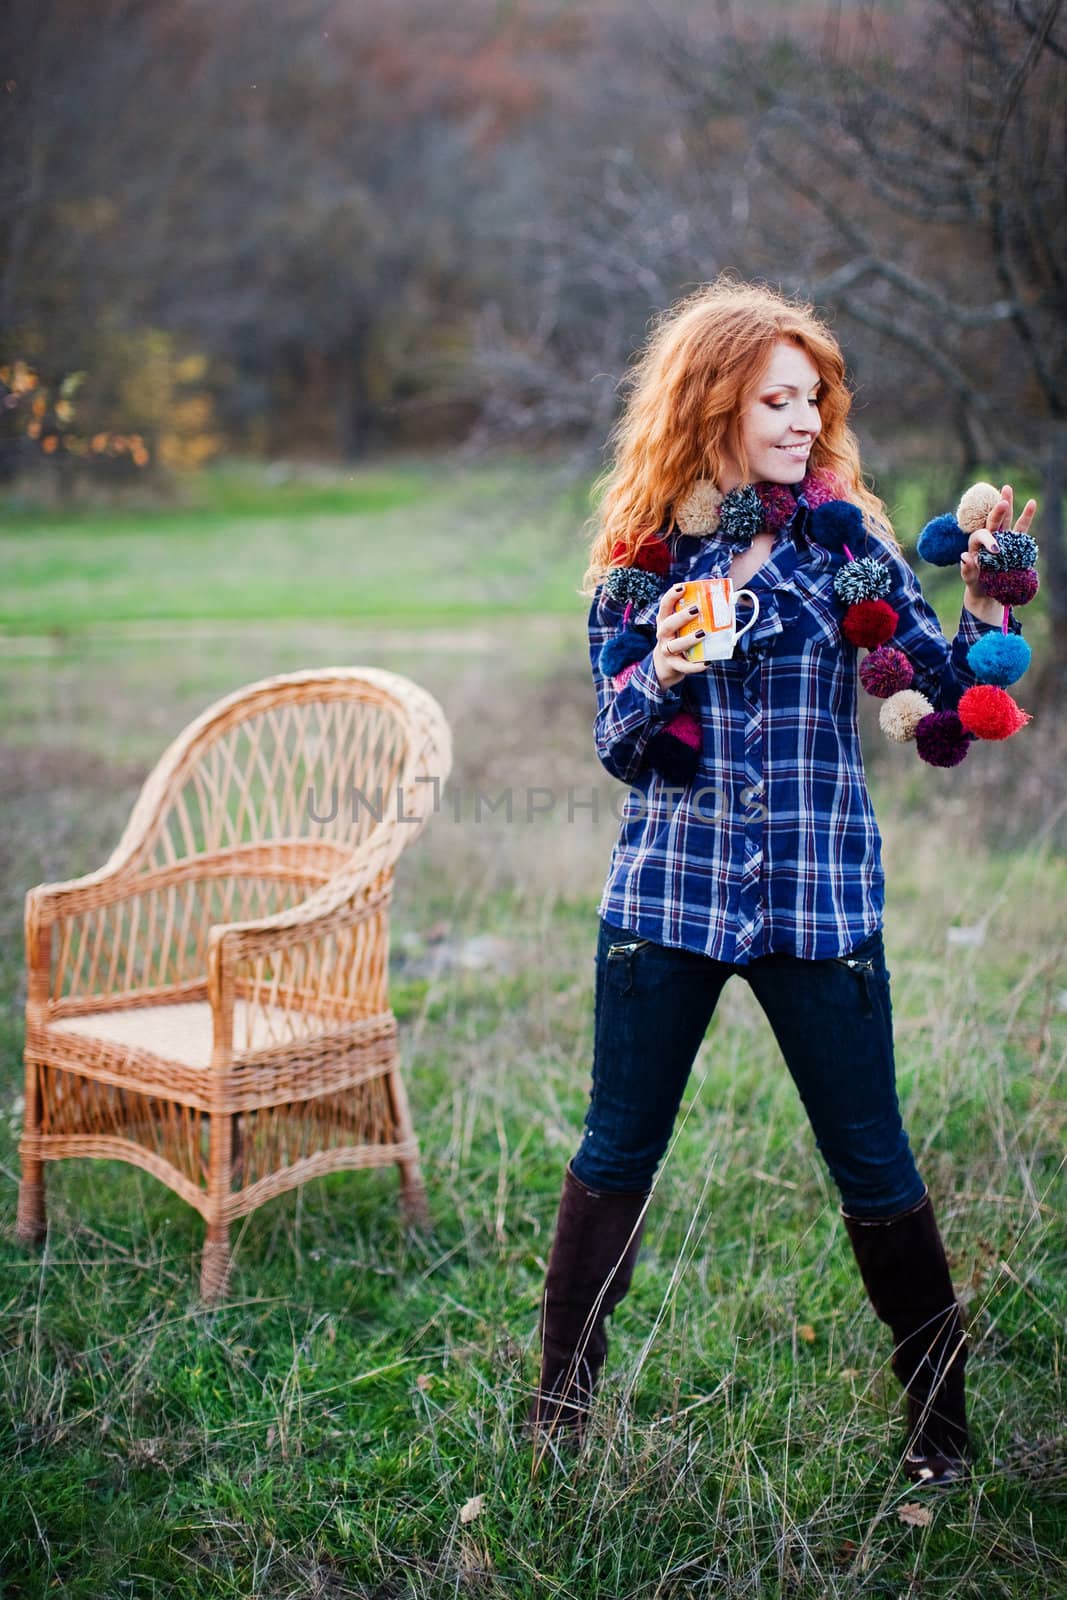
(247, 903)
(182, 1031)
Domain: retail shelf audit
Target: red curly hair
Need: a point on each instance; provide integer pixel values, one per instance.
(701, 364)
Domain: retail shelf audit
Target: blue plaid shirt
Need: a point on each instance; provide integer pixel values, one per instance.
(774, 845)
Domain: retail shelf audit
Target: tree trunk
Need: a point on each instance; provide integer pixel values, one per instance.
(1052, 674)
(353, 394)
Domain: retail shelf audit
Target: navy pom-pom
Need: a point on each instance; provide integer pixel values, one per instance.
(999, 658)
(633, 583)
(942, 541)
(836, 524)
(865, 579)
(672, 758)
(622, 649)
(1017, 551)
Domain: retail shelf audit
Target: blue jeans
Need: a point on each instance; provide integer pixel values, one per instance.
(833, 1023)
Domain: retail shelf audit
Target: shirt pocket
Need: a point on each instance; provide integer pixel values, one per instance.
(810, 615)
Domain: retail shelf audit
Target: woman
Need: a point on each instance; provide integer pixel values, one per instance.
(748, 841)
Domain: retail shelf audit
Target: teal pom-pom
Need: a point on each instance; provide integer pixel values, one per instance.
(865, 579)
(633, 583)
(1017, 551)
(836, 524)
(942, 541)
(1000, 658)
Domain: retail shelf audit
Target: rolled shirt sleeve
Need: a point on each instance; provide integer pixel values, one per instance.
(626, 718)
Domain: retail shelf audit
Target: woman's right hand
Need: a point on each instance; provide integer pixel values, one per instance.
(667, 657)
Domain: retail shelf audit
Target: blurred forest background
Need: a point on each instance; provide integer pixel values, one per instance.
(332, 228)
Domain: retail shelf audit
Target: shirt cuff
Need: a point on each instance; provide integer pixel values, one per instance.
(643, 678)
(972, 627)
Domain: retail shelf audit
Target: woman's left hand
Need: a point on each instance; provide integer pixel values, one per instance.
(998, 520)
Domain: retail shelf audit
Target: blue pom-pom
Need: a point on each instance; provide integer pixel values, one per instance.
(942, 541)
(623, 648)
(1000, 658)
(836, 524)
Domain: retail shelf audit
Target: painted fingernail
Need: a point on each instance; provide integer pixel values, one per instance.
(694, 611)
(699, 634)
(678, 588)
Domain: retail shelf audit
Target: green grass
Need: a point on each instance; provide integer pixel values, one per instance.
(415, 544)
(320, 1433)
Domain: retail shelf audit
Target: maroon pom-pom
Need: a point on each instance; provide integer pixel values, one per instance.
(1013, 588)
(885, 671)
(941, 739)
(821, 486)
(869, 623)
(653, 556)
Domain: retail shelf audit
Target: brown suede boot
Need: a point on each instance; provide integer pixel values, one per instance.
(904, 1270)
(590, 1270)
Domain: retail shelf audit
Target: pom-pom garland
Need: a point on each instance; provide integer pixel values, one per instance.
(942, 738)
(986, 710)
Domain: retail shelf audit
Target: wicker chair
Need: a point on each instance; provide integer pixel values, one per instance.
(212, 1004)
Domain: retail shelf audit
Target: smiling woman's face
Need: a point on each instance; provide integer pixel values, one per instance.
(779, 425)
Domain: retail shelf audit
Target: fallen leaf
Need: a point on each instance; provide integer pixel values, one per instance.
(473, 1508)
(914, 1515)
(806, 1332)
(424, 1382)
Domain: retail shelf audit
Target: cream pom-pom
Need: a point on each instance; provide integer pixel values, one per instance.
(976, 505)
(901, 714)
(699, 511)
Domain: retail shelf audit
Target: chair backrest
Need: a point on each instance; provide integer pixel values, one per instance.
(290, 762)
(271, 792)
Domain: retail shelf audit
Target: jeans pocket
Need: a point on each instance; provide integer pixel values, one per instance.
(863, 963)
(619, 962)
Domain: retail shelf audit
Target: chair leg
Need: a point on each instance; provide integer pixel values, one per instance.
(412, 1189)
(31, 1223)
(216, 1263)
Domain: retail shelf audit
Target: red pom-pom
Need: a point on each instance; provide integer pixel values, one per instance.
(653, 556)
(991, 713)
(869, 623)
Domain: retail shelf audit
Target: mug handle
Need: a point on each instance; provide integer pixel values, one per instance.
(755, 610)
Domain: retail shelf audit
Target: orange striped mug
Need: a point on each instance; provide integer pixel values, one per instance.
(717, 599)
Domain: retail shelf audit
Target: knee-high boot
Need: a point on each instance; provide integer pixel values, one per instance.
(904, 1270)
(590, 1269)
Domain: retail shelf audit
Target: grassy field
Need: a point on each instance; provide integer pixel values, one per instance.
(321, 1434)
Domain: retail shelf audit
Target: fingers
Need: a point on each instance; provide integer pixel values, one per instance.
(1026, 516)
